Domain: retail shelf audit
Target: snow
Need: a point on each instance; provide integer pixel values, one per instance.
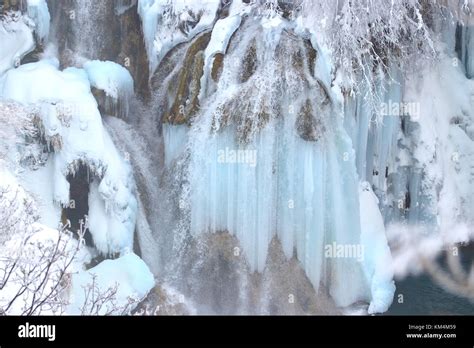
(161, 20)
(69, 114)
(38, 11)
(220, 37)
(17, 40)
(26, 242)
(38, 184)
(451, 170)
(117, 83)
(114, 79)
(16, 207)
(271, 22)
(221, 34)
(128, 273)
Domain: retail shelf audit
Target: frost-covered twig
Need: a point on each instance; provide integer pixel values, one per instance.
(104, 302)
(34, 273)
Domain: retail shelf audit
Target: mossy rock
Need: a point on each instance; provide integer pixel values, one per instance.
(217, 66)
(120, 41)
(308, 126)
(240, 111)
(188, 85)
(249, 65)
(13, 5)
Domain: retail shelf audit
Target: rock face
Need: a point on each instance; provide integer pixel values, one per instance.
(184, 90)
(163, 301)
(100, 30)
(217, 67)
(289, 7)
(308, 126)
(12, 5)
(250, 62)
(182, 73)
(216, 275)
(132, 51)
(180, 76)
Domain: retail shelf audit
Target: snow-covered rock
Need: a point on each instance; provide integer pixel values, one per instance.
(168, 23)
(75, 133)
(115, 81)
(16, 38)
(128, 277)
(112, 78)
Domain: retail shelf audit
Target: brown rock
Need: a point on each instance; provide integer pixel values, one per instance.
(188, 84)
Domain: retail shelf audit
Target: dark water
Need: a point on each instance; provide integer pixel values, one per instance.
(423, 297)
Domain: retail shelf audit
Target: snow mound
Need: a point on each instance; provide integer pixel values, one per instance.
(112, 78)
(28, 243)
(16, 39)
(129, 275)
(74, 131)
(117, 84)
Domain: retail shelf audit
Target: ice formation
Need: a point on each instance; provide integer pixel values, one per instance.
(377, 257)
(285, 167)
(24, 238)
(359, 165)
(38, 11)
(110, 77)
